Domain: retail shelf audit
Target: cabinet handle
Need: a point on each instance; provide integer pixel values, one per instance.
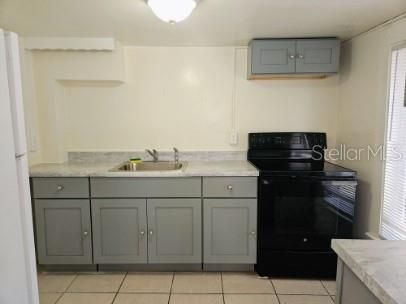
(59, 188)
(151, 232)
(85, 234)
(305, 240)
(300, 56)
(230, 187)
(253, 233)
(142, 232)
(292, 56)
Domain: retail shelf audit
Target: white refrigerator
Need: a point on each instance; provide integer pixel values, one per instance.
(18, 274)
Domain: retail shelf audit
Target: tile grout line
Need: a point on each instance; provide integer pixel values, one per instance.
(274, 289)
(170, 290)
(71, 283)
(67, 288)
(60, 296)
(325, 287)
(119, 287)
(222, 288)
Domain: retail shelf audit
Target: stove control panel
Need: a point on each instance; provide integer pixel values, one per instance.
(287, 140)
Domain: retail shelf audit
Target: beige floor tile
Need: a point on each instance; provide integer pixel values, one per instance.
(304, 299)
(246, 283)
(147, 283)
(49, 298)
(87, 298)
(250, 299)
(97, 283)
(330, 286)
(197, 283)
(305, 287)
(139, 298)
(196, 299)
(54, 282)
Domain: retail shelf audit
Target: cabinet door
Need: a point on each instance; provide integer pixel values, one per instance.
(63, 231)
(230, 227)
(318, 56)
(273, 56)
(119, 231)
(174, 231)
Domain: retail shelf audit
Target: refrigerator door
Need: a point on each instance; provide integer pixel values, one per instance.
(18, 282)
(16, 92)
(27, 227)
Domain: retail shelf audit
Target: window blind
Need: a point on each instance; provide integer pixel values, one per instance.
(393, 217)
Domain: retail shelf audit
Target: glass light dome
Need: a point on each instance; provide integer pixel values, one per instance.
(172, 11)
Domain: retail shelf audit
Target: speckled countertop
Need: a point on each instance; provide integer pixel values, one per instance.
(103, 169)
(380, 265)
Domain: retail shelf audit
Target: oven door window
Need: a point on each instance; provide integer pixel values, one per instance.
(304, 214)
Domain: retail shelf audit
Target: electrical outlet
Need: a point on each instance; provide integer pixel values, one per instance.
(234, 138)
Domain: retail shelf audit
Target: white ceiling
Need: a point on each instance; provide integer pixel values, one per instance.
(214, 22)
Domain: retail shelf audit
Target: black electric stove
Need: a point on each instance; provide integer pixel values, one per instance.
(303, 203)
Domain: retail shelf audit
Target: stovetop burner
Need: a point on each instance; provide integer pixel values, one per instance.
(287, 153)
(323, 168)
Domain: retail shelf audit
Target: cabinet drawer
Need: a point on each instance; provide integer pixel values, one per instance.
(230, 187)
(60, 187)
(145, 187)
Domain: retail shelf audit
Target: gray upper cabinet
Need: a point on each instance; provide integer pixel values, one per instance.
(63, 231)
(230, 228)
(119, 231)
(317, 56)
(273, 56)
(293, 57)
(174, 231)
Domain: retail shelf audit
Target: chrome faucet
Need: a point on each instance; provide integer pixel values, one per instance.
(153, 153)
(176, 151)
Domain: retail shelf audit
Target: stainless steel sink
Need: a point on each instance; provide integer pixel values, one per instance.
(149, 166)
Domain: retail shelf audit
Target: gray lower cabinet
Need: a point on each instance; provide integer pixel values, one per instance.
(63, 229)
(350, 289)
(230, 227)
(174, 231)
(146, 220)
(119, 231)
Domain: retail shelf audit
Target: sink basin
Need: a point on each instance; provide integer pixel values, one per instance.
(149, 166)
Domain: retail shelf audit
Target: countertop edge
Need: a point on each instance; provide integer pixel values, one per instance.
(43, 175)
(366, 278)
(192, 169)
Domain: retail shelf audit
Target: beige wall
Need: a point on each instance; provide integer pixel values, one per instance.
(160, 97)
(362, 113)
(195, 97)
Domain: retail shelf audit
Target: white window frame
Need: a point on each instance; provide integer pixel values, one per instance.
(395, 47)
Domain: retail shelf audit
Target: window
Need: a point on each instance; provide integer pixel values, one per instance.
(393, 218)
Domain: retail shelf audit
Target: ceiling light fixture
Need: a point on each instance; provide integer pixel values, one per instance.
(172, 11)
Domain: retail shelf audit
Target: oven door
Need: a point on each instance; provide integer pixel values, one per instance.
(304, 213)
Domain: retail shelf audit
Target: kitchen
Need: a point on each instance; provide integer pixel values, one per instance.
(102, 83)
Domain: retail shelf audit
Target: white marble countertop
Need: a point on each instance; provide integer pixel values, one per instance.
(103, 169)
(380, 265)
